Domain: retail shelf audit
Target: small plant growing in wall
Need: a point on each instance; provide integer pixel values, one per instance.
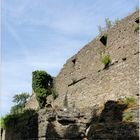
(136, 27)
(105, 59)
(54, 93)
(128, 116)
(130, 101)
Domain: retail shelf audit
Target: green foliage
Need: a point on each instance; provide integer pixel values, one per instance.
(42, 83)
(130, 101)
(54, 93)
(41, 79)
(13, 118)
(127, 116)
(136, 27)
(16, 109)
(108, 23)
(41, 94)
(20, 100)
(105, 60)
(1, 122)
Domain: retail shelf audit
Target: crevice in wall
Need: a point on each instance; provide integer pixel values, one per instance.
(74, 61)
(76, 81)
(103, 39)
(109, 65)
(66, 122)
(113, 63)
(137, 20)
(136, 53)
(124, 59)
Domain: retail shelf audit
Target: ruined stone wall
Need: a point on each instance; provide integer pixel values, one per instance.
(93, 83)
(107, 123)
(84, 83)
(32, 103)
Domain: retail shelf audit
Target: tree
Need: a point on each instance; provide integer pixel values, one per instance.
(20, 100)
(42, 84)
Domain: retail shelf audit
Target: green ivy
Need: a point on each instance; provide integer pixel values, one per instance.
(41, 79)
(42, 83)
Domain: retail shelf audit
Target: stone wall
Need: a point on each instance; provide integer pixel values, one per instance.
(90, 104)
(92, 83)
(32, 103)
(98, 123)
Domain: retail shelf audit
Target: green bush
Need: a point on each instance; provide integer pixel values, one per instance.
(130, 101)
(127, 116)
(41, 79)
(42, 83)
(16, 109)
(136, 28)
(41, 95)
(2, 122)
(106, 60)
(13, 118)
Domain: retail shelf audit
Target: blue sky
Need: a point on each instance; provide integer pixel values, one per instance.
(43, 34)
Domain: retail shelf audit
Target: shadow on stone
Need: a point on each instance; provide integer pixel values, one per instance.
(72, 132)
(51, 133)
(112, 112)
(109, 124)
(23, 127)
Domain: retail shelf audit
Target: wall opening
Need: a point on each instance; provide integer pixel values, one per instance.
(137, 20)
(66, 121)
(103, 39)
(124, 59)
(74, 61)
(76, 81)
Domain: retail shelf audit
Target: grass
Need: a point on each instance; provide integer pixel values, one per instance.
(129, 101)
(105, 60)
(13, 118)
(128, 116)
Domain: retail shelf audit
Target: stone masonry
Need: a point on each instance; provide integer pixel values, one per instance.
(91, 99)
(95, 84)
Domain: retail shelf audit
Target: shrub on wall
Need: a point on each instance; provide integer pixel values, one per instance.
(41, 79)
(13, 118)
(54, 93)
(105, 60)
(42, 84)
(128, 116)
(136, 28)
